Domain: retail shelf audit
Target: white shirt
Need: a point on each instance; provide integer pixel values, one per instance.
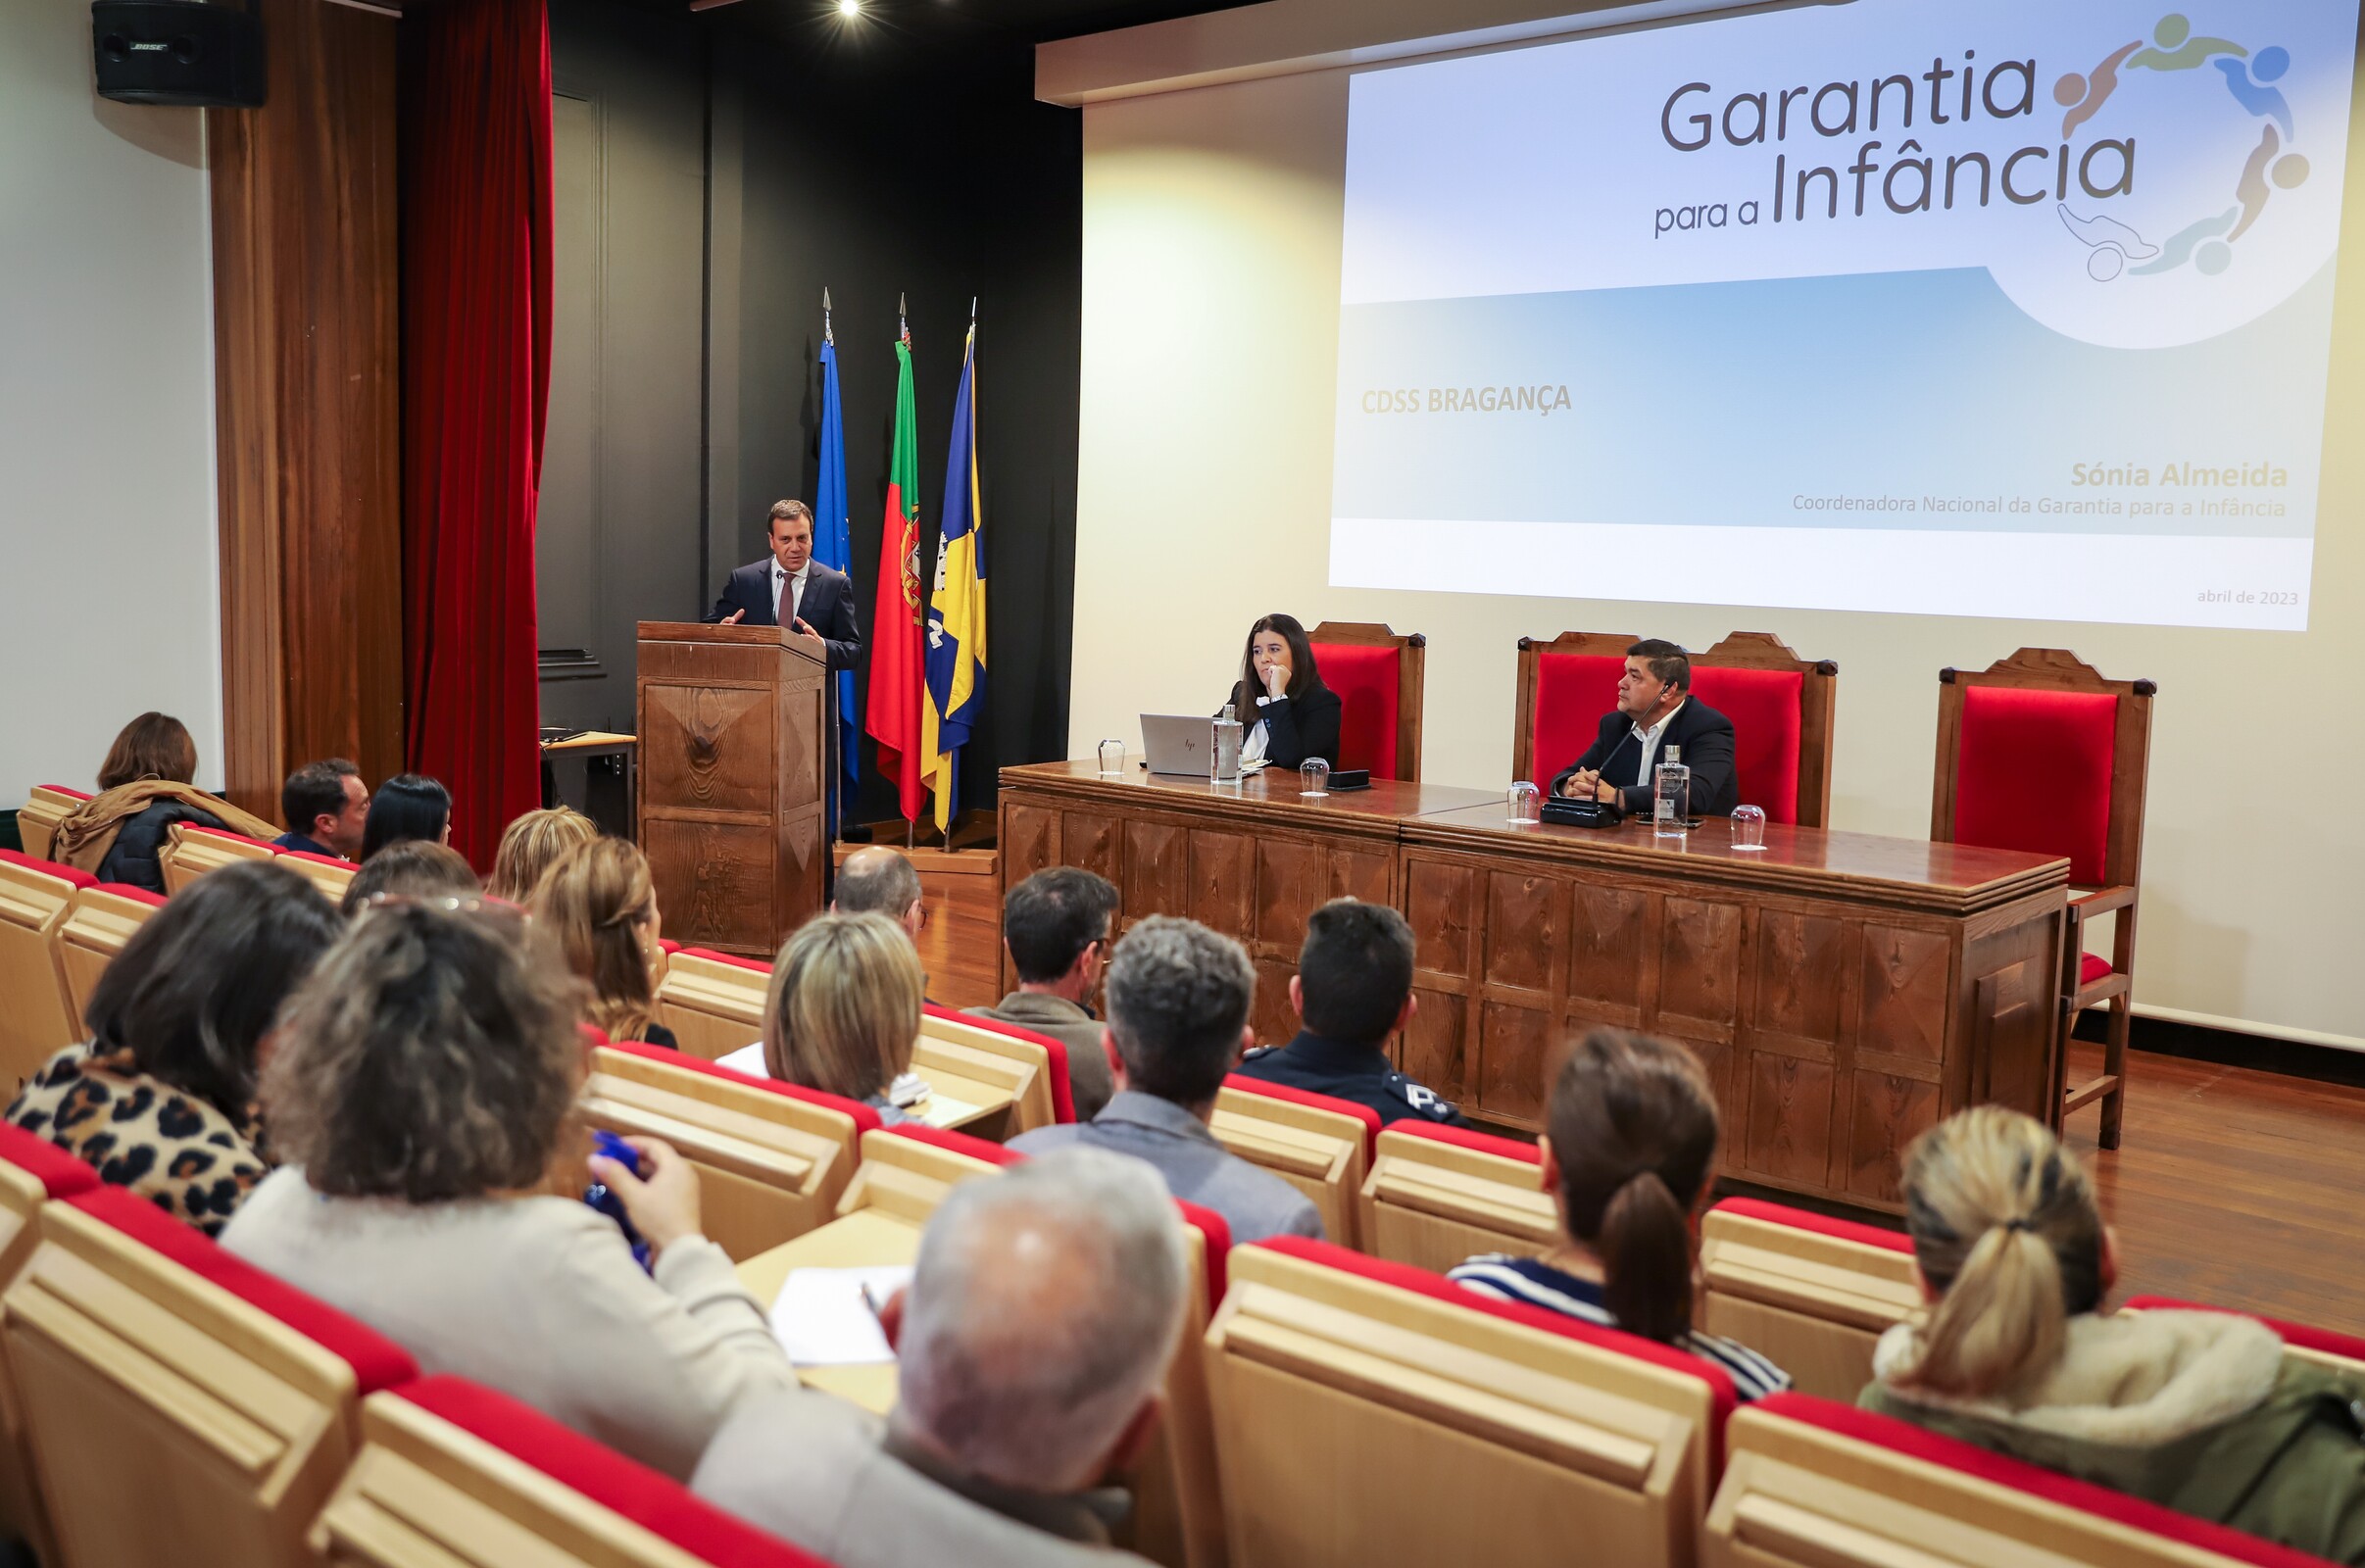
(1260, 736)
(1649, 739)
(796, 603)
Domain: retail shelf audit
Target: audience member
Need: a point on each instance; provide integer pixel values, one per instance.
(326, 807)
(878, 880)
(843, 1011)
(408, 805)
(1353, 990)
(1055, 927)
(1178, 1010)
(161, 1098)
(598, 901)
(144, 790)
(2197, 1411)
(1032, 1343)
(422, 1094)
(530, 845)
(413, 869)
(1629, 1148)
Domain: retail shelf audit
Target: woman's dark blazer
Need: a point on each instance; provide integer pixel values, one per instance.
(1298, 727)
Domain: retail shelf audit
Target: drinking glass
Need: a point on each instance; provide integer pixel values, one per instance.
(1523, 805)
(1748, 827)
(1313, 778)
(1112, 758)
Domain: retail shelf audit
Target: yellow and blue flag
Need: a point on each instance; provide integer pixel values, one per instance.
(957, 609)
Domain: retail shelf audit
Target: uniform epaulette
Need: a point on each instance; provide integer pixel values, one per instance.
(1427, 1102)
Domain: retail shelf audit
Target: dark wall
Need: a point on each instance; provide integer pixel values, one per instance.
(875, 164)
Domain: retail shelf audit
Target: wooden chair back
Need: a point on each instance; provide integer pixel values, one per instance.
(326, 872)
(772, 1160)
(453, 1475)
(957, 1050)
(38, 818)
(1437, 1196)
(1319, 1145)
(1811, 1295)
(1367, 1412)
(194, 850)
(38, 1019)
(907, 1169)
(1815, 1484)
(32, 1172)
(102, 919)
(184, 1406)
(1178, 1490)
(2042, 752)
(712, 1001)
(1379, 676)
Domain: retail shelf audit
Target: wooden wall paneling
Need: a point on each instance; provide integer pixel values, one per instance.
(1437, 903)
(308, 404)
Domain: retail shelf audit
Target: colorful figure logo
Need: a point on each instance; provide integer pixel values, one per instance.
(2208, 243)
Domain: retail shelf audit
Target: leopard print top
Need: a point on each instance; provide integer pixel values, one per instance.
(172, 1148)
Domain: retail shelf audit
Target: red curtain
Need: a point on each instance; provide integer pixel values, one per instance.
(475, 150)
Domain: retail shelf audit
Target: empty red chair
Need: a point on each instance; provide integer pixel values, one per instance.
(1378, 676)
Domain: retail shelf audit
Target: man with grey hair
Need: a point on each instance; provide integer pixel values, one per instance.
(1178, 998)
(878, 880)
(1033, 1341)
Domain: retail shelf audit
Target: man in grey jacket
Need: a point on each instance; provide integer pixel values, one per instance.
(1057, 925)
(1178, 1012)
(1033, 1341)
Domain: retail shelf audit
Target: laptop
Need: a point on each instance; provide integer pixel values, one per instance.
(1177, 743)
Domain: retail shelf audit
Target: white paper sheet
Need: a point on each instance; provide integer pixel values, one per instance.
(820, 1318)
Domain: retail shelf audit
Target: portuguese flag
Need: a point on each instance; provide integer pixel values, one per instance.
(898, 668)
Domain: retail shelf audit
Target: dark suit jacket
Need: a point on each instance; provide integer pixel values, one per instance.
(1296, 728)
(828, 607)
(1706, 738)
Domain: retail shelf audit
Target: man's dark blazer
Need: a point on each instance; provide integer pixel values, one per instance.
(1706, 738)
(828, 607)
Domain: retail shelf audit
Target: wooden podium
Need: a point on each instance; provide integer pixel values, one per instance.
(732, 760)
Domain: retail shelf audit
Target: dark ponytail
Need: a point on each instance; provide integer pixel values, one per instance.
(1632, 1125)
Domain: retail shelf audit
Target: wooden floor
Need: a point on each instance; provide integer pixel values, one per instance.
(2235, 1188)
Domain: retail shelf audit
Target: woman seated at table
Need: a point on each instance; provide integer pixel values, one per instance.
(1287, 712)
(1629, 1145)
(423, 1099)
(843, 1012)
(599, 901)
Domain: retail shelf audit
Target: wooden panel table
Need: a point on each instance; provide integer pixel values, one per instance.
(1843, 990)
(1251, 860)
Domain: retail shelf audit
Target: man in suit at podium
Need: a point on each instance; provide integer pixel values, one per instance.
(792, 589)
(1656, 710)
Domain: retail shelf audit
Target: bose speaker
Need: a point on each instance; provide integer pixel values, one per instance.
(176, 52)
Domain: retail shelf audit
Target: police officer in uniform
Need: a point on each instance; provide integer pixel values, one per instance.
(1353, 989)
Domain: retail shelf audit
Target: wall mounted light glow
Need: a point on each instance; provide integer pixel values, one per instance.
(850, 9)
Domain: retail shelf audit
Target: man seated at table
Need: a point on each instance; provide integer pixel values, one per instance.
(1056, 925)
(1656, 710)
(1178, 1011)
(1032, 1341)
(326, 806)
(1353, 990)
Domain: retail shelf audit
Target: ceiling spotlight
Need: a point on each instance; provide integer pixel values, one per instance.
(850, 8)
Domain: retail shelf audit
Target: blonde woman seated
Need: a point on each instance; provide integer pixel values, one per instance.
(599, 904)
(423, 1099)
(843, 1012)
(530, 846)
(2197, 1411)
(1629, 1146)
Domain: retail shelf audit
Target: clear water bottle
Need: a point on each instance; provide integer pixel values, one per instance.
(1670, 794)
(1223, 752)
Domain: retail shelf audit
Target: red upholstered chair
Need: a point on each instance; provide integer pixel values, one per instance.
(1370, 1412)
(2039, 752)
(184, 1406)
(452, 1473)
(1810, 1294)
(1379, 676)
(103, 918)
(36, 897)
(1815, 1484)
(957, 1050)
(712, 1002)
(42, 811)
(1319, 1145)
(1437, 1196)
(1565, 686)
(32, 1172)
(194, 850)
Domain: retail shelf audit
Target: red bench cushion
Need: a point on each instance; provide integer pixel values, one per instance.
(1306, 1097)
(1464, 1138)
(1916, 1442)
(2346, 1346)
(124, 889)
(63, 874)
(954, 1143)
(66, 789)
(1063, 1092)
(1216, 1234)
(1767, 731)
(1845, 1230)
(377, 1362)
(759, 966)
(657, 1503)
(865, 1117)
(225, 833)
(60, 1174)
(1369, 683)
(2033, 773)
(1573, 691)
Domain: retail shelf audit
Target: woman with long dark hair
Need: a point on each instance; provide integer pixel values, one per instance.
(1285, 710)
(408, 805)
